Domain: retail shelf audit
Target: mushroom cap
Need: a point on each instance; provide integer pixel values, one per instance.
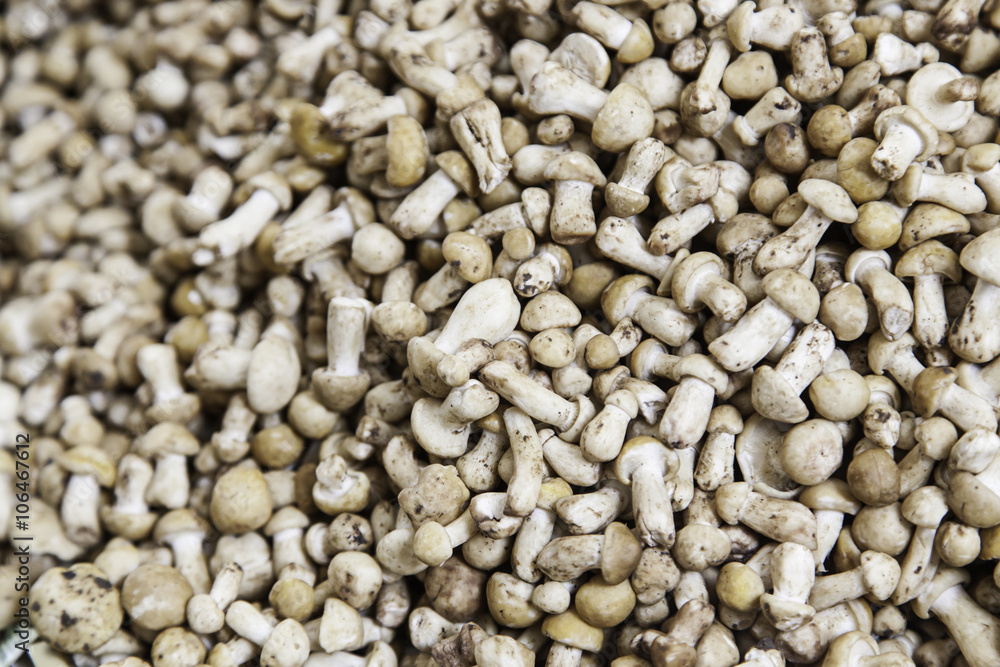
(926, 506)
(744, 229)
(575, 166)
(604, 605)
(775, 399)
(981, 158)
(550, 310)
(793, 292)
(615, 302)
(812, 451)
(880, 573)
(155, 596)
(848, 649)
(730, 499)
(913, 119)
(972, 501)
(287, 518)
(832, 494)
(460, 170)
(241, 501)
(926, 221)
(469, 255)
(840, 395)
(855, 173)
(929, 389)
(688, 276)
(922, 93)
(638, 44)
(76, 609)
(702, 367)
(979, 257)
(829, 198)
(625, 118)
(183, 520)
(167, 438)
(789, 210)
(339, 392)
(584, 56)
(644, 450)
(830, 129)
(89, 460)
(286, 646)
(569, 629)
(644, 357)
(620, 554)
(739, 26)
(725, 419)
(927, 259)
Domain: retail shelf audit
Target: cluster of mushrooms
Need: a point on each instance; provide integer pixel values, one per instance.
(501, 332)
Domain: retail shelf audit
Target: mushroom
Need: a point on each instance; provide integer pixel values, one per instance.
(90, 468)
(790, 296)
(649, 467)
(775, 391)
(782, 520)
(942, 95)
(957, 191)
(442, 427)
(792, 577)
(905, 136)
(575, 175)
(569, 417)
(129, 516)
(76, 609)
(870, 269)
(206, 611)
(829, 500)
(813, 79)
(628, 196)
(771, 27)
(158, 365)
(976, 631)
(184, 532)
(285, 644)
(342, 383)
(826, 202)
(808, 642)
(170, 444)
(155, 596)
(659, 316)
(241, 501)
(971, 336)
(700, 280)
(269, 193)
(924, 508)
(616, 553)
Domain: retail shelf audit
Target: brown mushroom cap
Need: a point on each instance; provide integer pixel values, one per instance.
(833, 494)
(76, 609)
(156, 596)
(929, 388)
(604, 605)
(774, 398)
(830, 129)
(621, 553)
(855, 173)
(549, 310)
(881, 350)
(569, 629)
(794, 292)
(167, 438)
(812, 451)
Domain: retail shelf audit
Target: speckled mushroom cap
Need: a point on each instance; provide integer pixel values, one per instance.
(156, 596)
(794, 292)
(980, 257)
(881, 350)
(241, 501)
(829, 198)
(76, 609)
(927, 221)
(744, 229)
(774, 398)
(621, 553)
(929, 258)
(929, 389)
(615, 300)
(855, 173)
(624, 119)
(550, 310)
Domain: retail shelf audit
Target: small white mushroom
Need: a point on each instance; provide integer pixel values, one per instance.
(792, 577)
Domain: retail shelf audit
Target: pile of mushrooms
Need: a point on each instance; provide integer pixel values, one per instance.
(501, 332)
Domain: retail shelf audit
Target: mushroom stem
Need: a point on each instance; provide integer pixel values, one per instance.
(654, 516)
(930, 321)
(226, 237)
(963, 89)
(752, 337)
(900, 146)
(790, 248)
(345, 337)
(976, 631)
(79, 510)
(676, 229)
(525, 485)
(891, 298)
(420, 208)
(686, 417)
(569, 417)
